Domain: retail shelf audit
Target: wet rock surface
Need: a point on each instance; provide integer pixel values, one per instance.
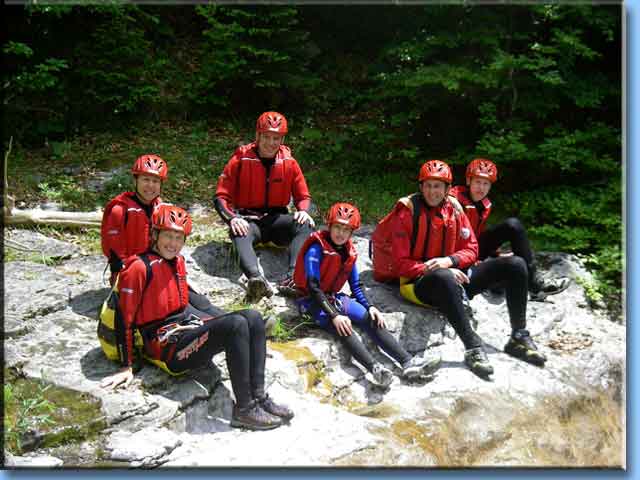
(341, 418)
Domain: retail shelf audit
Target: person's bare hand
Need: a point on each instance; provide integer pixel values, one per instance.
(301, 217)
(343, 325)
(376, 316)
(435, 263)
(123, 377)
(460, 276)
(239, 226)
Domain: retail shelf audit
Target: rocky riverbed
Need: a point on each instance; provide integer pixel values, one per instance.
(571, 413)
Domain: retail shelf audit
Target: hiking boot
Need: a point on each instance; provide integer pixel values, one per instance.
(381, 376)
(268, 405)
(287, 286)
(253, 417)
(476, 359)
(420, 366)
(520, 345)
(258, 287)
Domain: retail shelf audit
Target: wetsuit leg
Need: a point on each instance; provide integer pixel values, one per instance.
(283, 229)
(246, 252)
(440, 289)
(351, 342)
(512, 231)
(258, 350)
(387, 342)
(229, 332)
(510, 272)
(201, 302)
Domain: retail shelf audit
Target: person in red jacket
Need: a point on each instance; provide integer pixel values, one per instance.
(179, 337)
(443, 260)
(252, 196)
(126, 222)
(327, 261)
(481, 174)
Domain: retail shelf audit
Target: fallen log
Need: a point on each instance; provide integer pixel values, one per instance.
(51, 217)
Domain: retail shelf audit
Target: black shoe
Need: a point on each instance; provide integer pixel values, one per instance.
(268, 405)
(476, 359)
(520, 345)
(258, 287)
(287, 287)
(253, 417)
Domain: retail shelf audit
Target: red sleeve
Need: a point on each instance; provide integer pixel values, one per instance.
(401, 244)
(226, 189)
(466, 243)
(301, 195)
(115, 233)
(131, 283)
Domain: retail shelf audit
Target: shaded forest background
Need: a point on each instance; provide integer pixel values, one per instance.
(371, 92)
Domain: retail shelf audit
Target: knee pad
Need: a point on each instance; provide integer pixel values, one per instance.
(514, 224)
(517, 265)
(254, 319)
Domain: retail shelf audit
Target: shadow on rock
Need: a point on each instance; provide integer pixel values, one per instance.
(220, 259)
(95, 366)
(88, 303)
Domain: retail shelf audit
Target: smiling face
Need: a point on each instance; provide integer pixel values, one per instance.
(340, 234)
(268, 144)
(168, 243)
(478, 188)
(433, 191)
(148, 187)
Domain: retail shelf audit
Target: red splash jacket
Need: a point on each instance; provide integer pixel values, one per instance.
(126, 228)
(166, 294)
(442, 231)
(478, 222)
(244, 184)
(334, 273)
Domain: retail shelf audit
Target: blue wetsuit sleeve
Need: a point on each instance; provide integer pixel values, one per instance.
(356, 287)
(312, 260)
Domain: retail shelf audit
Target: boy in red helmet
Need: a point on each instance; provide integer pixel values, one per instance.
(126, 222)
(252, 196)
(443, 259)
(481, 174)
(327, 261)
(179, 337)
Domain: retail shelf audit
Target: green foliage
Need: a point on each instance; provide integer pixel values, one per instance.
(606, 264)
(117, 64)
(23, 413)
(249, 56)
(284, 331)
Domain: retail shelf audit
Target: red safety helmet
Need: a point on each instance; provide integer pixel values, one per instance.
(345, 214)
(170, 217)
(272, 122)
(435, 170)
(151, 165)
(484, 168)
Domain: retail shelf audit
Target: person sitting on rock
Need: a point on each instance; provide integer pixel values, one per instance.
(126, 222)
(444, 258)
(178, 337)
(481, 174)
(252, 196)
(326, 261)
